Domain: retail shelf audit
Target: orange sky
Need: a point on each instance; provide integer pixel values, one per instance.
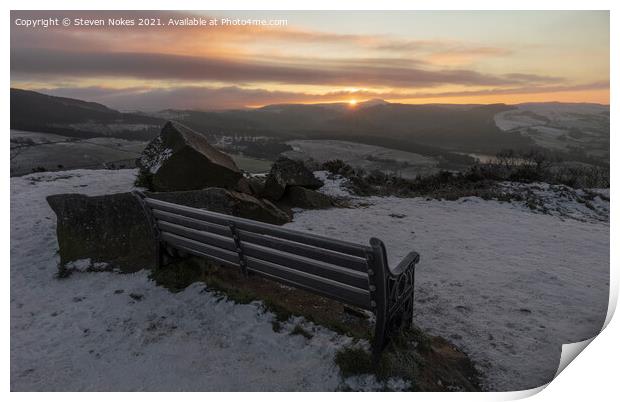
(408, 57)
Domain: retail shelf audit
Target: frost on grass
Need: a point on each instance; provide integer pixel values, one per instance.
(86, 265)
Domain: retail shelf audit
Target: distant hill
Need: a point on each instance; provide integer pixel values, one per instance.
(33, 111)
(574, 128)
(433, 129)
(468, 128)
(463, 129)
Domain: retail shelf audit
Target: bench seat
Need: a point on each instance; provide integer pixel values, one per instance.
(350, 273)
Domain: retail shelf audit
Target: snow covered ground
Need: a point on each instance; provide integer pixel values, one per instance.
(581, 115)
(108, 331)
(561, 126)
(506, 285)
(363, 156)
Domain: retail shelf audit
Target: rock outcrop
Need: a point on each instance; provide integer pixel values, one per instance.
(286, 173)
(182, 159)
(301, 197)
(227, 202)
(256, 184)
(110, 229)
(113, 230)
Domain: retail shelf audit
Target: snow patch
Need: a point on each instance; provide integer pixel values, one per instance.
(333, 184)
(161, 158)
(154, 155)
(85, 265)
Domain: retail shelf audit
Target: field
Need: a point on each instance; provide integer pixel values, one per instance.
(361, 156)
(252, 165)
(43, 151)
(31, 151)
(561, 127)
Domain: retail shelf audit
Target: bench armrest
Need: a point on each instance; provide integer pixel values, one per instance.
(391, 294)
(409, 261)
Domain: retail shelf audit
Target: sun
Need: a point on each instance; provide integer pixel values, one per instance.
(353, 103)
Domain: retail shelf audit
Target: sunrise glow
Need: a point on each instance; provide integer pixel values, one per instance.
(402, 57)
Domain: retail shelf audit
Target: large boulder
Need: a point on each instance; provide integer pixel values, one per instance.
(182, 159)
(256, 184)
(301, 197)
(243, 186)
(287, 172)
(113, 230)
(227, 202)
(109, 229)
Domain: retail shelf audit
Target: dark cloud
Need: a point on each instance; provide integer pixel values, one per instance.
(158, 66)
(288, 34)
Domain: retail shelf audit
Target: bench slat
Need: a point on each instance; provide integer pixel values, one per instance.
(205, 250)
(323, 286)
(262, 228)
(305, 250)
(197, 253)
(315, 284)
(295, 262)
(210, 239)
(191, 223)
(298, 263)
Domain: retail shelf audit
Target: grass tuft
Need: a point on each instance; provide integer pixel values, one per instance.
(144, 179)
(354, 361)
(298, 330)
(426, 363)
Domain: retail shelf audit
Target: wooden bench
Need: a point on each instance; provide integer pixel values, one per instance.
(353, 274)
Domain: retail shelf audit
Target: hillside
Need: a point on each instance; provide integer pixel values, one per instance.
(33, 111)
(573, 131)
(463, 129)
(566, 127)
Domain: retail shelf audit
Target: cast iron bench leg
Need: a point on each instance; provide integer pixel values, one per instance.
(391, 295)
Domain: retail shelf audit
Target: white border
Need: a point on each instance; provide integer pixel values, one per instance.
(592, 376)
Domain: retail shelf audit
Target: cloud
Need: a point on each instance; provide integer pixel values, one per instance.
(159, 66)
(531, 89)
(213, 68)
(290, 33)
(191, 40)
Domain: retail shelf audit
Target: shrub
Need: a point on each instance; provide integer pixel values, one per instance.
(426, 363)
(354, 361)
(144, 179)
(298, 330)
(338, 166)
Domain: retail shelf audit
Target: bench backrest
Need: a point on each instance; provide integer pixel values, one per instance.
(322, 265)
